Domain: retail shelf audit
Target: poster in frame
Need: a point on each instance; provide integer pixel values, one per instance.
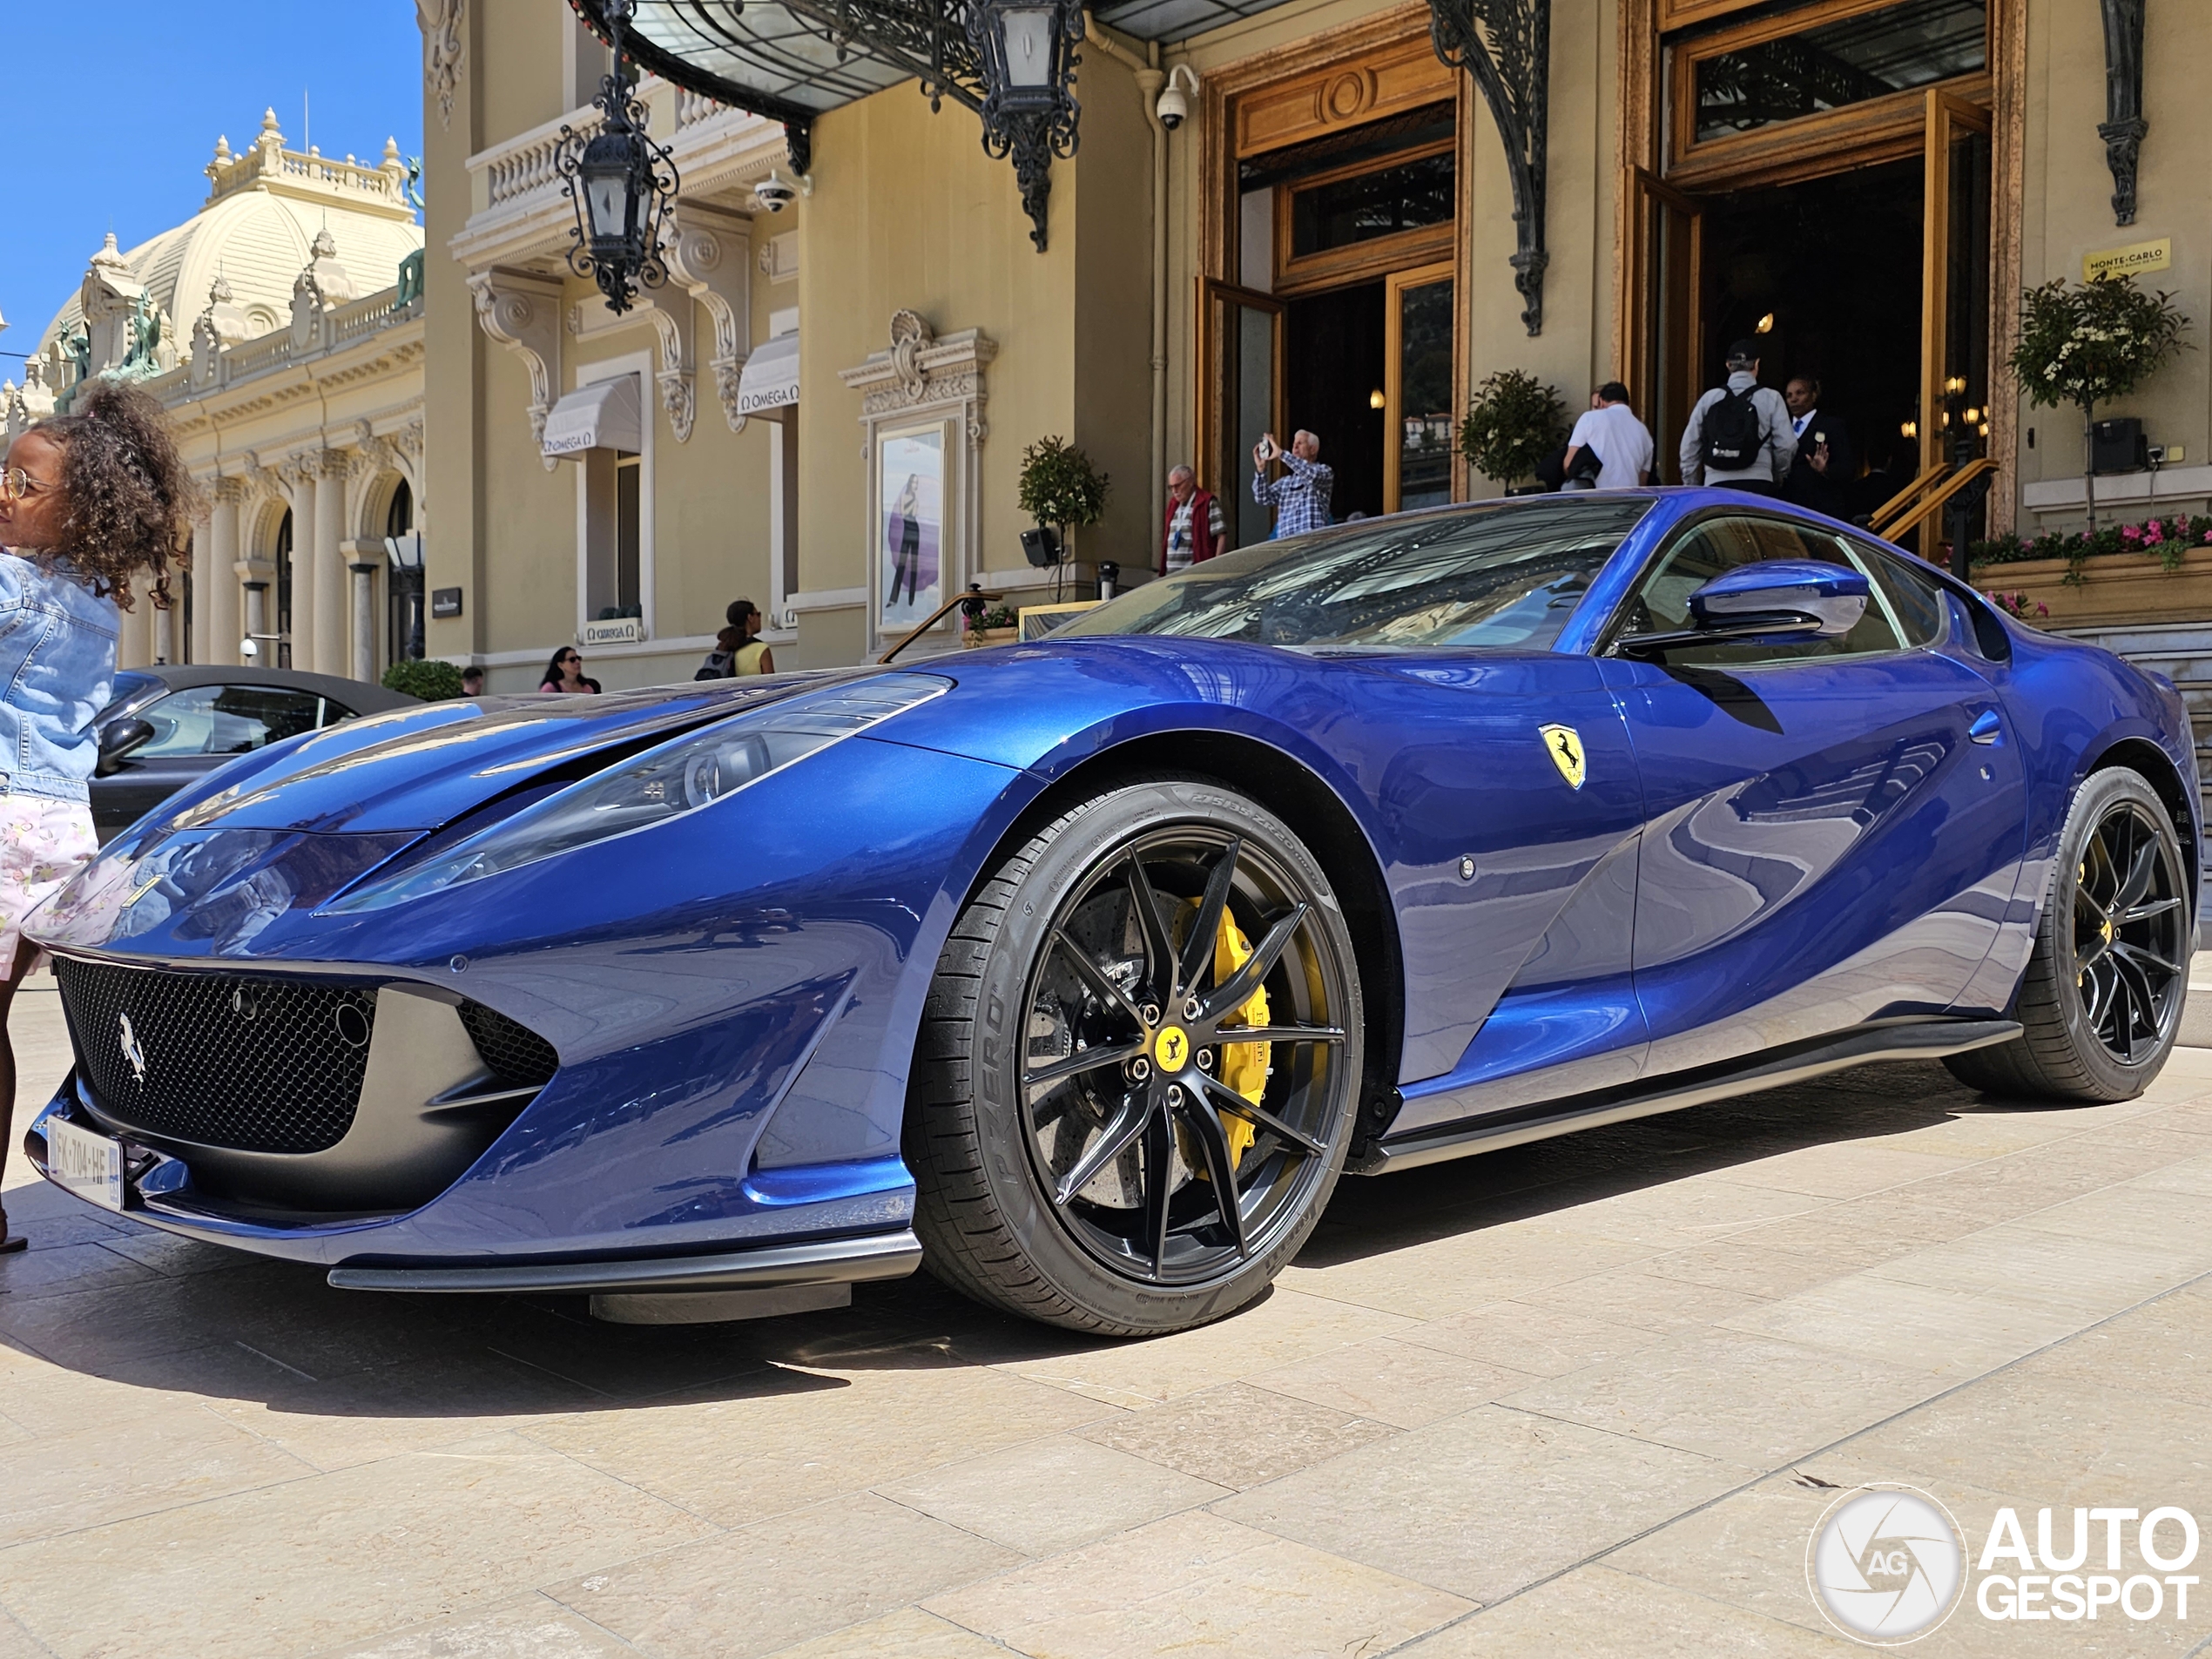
(910, 530)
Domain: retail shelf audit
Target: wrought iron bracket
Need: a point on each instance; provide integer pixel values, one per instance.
(1506, 46)
(2123, 127)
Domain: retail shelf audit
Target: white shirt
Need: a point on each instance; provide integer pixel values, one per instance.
(1623, 444)
(1802, 421)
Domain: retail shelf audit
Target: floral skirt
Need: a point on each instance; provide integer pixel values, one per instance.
(43, 843)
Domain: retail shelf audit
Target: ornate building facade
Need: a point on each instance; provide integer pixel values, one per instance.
(282, 326)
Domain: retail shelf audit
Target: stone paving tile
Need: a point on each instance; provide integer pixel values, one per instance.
(1283, 1328)
(534, 1627)
(57, 1270)
(908, 1634)
(15, 1642)
(1451, 1275)
(1747, 1265)
(2135, 1214)
(1526, 1337)
(766, 1586)
(1952, 1334)
(2164, 1348)
(1485, 1503)
(1394, 1382)
(1198, 1587)
(335, 1558)
(1850, 1169)
(1048, 1496)
(169, 1455)
(1742, 1399)
(787, 1438)
(2089, 1275)
(1597, 1611)
(1643, 1299)
(1237, 1436)
(1684, 1213)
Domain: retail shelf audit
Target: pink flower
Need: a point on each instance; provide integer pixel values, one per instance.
(2130, 532)
(2152, 533)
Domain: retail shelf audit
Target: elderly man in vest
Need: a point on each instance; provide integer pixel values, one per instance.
(1194, 530)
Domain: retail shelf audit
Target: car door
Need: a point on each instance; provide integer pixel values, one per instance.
(1823, 820)
(196, 730)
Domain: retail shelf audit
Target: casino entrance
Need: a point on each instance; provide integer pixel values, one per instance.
(1336, 189)
(1820, 181)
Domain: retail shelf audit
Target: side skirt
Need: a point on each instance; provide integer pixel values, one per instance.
(1926, 1040)
(829, 1261)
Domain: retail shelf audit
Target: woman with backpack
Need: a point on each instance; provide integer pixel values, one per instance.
(1740, 436)
(737, 650)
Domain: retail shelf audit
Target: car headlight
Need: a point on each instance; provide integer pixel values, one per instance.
(664, 782)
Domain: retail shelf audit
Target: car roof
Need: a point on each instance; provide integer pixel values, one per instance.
(360, 696)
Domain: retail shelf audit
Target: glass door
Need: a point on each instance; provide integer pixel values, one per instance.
(1662, 343)
(1417, 388)
(1954, 308)
(1240, 394)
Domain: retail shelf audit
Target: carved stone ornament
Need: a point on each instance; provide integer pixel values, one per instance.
(2123, 127)
(523, 313)
(922, 370)
(706, 258)
(444, 50)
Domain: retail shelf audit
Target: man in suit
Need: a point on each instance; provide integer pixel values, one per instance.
(1826, 466)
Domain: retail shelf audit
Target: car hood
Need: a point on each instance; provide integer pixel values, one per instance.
(416, 770)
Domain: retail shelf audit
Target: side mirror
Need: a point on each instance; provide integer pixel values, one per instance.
(1775, 602)
(119, 739)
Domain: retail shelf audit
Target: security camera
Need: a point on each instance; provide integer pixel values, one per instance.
(775, 192)
(1175, 104)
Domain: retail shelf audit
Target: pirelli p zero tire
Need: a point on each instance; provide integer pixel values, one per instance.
(1150, 1005)
(2102, 1000)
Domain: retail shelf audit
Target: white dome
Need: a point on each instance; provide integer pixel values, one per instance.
(256, 230)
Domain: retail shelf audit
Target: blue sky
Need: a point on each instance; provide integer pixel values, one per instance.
(114, 122)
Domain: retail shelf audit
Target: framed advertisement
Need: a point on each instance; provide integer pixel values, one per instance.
(910, 526)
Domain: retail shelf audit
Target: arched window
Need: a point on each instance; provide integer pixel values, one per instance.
(399, 517)
(283, 590)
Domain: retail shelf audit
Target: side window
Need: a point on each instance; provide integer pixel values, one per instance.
(227, 719)
(1915, 597)
(1713, 546)
(334, 713)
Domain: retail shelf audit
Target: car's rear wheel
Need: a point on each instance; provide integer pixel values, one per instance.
(2102, 1000)
(1092, 1145)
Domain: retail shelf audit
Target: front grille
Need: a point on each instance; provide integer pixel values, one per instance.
(517, 1055)
(260, 1065)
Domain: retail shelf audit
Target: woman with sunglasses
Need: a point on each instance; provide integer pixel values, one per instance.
(90, 501)
(565, 673)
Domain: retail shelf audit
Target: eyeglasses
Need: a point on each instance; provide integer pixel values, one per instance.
(15, 483)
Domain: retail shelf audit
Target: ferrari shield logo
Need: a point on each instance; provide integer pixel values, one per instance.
(1564, 744)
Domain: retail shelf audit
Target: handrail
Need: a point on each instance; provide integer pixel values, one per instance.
(1920, 515)
(936, 616)
(1929, 474)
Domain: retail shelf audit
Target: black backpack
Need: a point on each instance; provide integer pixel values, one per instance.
(1733, 432)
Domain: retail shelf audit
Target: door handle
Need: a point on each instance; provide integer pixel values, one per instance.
(1986, 727)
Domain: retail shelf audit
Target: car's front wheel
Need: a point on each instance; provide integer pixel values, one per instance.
(1139, 1064)
(2102, 1000)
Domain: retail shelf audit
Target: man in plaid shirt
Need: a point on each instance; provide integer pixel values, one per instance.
(1300, 496)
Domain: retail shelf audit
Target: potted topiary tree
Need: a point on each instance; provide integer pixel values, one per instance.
(1059, 487)
(1515, 421)
(2087, 343)
(427, 677)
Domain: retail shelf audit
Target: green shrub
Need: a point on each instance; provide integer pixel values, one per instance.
(427, 677)
(1059, 487)
(1515, 421)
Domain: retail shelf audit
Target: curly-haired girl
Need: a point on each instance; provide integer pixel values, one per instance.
(90, 501)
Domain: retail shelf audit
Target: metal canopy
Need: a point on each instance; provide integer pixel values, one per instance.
(1168, 20)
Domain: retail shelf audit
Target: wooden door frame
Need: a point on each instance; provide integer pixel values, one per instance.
(1634, 279)
(1394, 287)
(1640, 142)
(1945, 115)
(1209, 451)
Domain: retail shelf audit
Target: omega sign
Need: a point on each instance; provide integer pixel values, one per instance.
(613, 630)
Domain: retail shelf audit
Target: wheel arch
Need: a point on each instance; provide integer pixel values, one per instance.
(1290, 789)
(2156, 767)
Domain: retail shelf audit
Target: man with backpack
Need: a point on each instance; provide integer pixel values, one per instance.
(1739, 435)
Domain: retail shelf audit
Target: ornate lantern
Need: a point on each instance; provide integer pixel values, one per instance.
(1026, 58)
(622, 184)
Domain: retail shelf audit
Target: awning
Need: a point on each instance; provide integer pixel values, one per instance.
(602, 415)
(770, 380)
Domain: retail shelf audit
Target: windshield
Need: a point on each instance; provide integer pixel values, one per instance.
(1502, 576)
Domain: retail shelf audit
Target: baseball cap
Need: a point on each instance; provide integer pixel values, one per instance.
(1744, 351)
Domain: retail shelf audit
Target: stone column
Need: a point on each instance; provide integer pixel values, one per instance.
(135, 647)
(216, 626)
(364, 556)
(302, 486)
(329, 613)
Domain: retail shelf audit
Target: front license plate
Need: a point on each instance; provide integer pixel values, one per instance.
(89, 1164)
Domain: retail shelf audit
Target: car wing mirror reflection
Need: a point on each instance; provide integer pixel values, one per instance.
(1776, 602)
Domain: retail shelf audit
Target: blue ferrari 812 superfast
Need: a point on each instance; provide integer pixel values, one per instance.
(1081, 970)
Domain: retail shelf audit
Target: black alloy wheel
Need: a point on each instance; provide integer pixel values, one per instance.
(1173, 1098)
(2101, 1002)
(2130, 931)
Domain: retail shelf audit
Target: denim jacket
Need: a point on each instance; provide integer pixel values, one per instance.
(56, 673)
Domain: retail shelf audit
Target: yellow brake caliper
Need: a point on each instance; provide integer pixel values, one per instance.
(1243, 1066)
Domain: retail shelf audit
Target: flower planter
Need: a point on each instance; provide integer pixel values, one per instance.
(2115, 590)
(975, 639)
